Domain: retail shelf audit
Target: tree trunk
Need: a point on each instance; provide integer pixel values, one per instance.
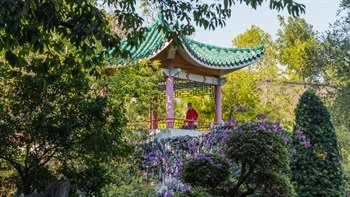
(26, 181)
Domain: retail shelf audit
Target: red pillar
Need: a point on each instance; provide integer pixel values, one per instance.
(154, 114)
(169, 82)
(218, 103)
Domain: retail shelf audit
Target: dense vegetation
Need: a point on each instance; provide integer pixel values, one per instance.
(316, 170)
(61, 119)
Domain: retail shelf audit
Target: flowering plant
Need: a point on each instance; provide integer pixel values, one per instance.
(205, 170)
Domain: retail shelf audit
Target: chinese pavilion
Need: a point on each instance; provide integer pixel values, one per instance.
(193, 66)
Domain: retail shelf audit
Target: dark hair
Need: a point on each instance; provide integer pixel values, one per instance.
(189, 103)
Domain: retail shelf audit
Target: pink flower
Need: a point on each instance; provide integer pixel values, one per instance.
(139, 172)
(144, 172)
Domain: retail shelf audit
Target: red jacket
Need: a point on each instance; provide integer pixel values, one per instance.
(191, 115)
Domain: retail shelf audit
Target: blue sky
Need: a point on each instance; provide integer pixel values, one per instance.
(319, 13)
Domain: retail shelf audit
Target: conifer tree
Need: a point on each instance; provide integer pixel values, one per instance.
(316, 166)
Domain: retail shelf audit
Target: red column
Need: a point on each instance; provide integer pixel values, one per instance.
(169, 82)
(218, 110)
(154, 114)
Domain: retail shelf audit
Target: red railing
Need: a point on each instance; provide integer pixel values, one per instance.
(163, 123)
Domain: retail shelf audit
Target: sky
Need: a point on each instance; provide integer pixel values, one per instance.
(319, 13)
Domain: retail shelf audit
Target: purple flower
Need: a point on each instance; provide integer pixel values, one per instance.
(307, 144)
(200, 158)
(179, 166)
(218, 165)
(168, 194)
(185, 188)
(261, 117)
(285, 140)
(299, 133)
(294, 151)
(193, 149)
(167, 172)
(231, 122)
(240, 108)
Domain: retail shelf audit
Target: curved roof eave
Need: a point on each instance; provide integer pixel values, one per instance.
(186, 54)
(155, 53)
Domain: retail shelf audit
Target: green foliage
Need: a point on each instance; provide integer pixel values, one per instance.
(317, 169)
(128, 180)
(336, 43)
(263, 160)
(194, 192)
(260, 87)
(7, 181)
(48, 112)
(339, 103)
(62, 122)
(46, 27)
(241, 88)
(257, 162)
(127, 177)
(136, 87)
(299, 49)
(206, 171)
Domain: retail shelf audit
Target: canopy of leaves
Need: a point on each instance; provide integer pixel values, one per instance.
(136, 87)
(61, 122)
(316, 169)
(258, 88)
(298, 48)
(336, 43)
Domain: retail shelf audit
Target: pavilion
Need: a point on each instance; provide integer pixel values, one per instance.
(192, 65)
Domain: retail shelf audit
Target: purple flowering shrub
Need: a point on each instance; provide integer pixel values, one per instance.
(249, 158)
(205, 170)
(257, 154)
(260, 151)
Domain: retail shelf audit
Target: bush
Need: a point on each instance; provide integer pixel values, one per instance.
(317, 168)
(259, 149)
(206, 171)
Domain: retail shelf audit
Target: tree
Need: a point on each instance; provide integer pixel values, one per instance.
(61, 123)
(48, 113)
(317, 169)
(136, 87)
(336, 43)
(43, 26)
(262, 156)
(258, 88)
(298, 48)
(336, 46)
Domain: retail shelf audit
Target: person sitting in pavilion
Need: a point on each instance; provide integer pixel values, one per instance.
(191, 117)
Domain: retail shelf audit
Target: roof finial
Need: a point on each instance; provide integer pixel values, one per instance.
(160, 14)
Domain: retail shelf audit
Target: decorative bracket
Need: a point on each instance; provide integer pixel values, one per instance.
(171, 53)
(171, 72)
(222, 81)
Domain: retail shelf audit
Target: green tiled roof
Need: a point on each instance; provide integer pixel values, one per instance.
(202, 54)
(221, 57)
(154, 42)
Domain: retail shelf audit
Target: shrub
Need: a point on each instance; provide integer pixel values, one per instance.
(316, 169)
(259, 149)
(206, 171)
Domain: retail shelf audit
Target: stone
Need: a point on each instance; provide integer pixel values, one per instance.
(173, 147)
(55, 189)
